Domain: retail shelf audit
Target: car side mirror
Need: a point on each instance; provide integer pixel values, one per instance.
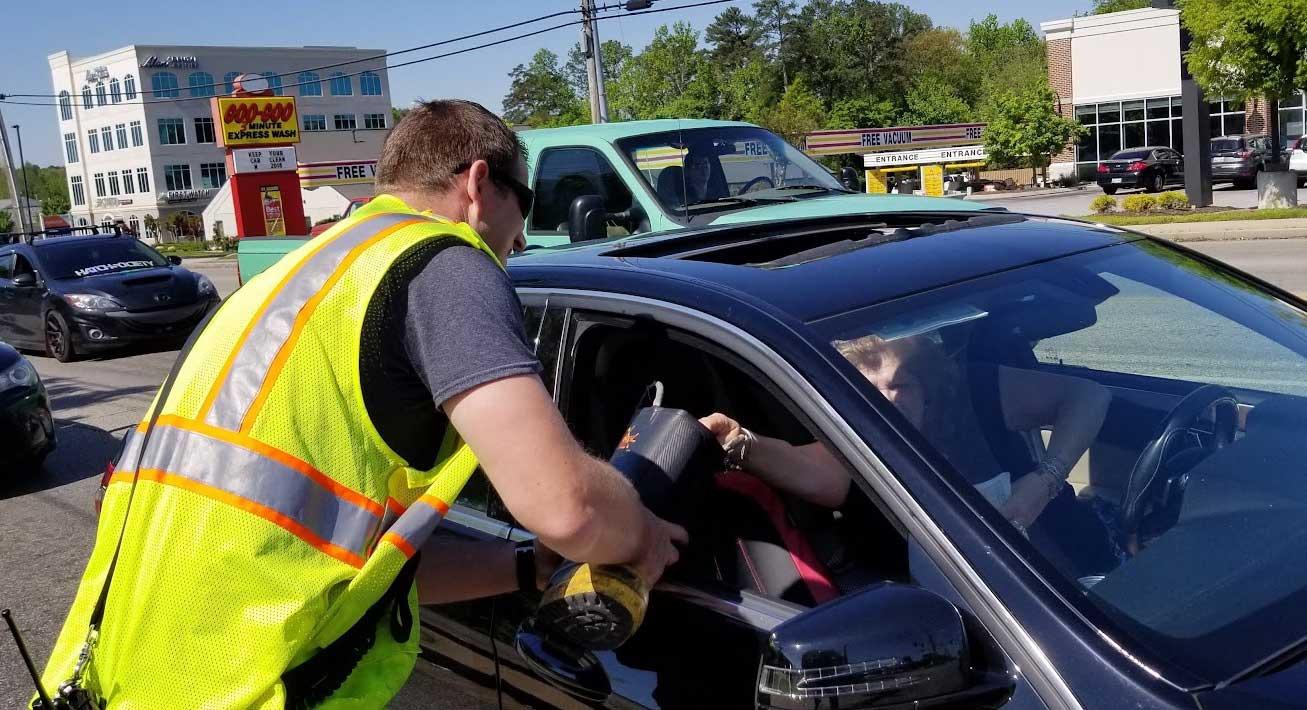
(888, 645)
(564, 665)
(175, 260)
(850, 179)
(26, 279)
(587, 219)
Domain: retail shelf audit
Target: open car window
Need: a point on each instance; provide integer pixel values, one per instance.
(1183, 390)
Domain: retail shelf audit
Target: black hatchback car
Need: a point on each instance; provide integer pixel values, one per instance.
(917, 591)
(75, 294)
(1150, 168)
(27, 433)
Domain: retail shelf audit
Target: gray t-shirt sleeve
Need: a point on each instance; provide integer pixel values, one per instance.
(464, 324)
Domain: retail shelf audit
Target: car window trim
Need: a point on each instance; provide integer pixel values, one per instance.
(473, 519)
(1012, 636)
(535, 184)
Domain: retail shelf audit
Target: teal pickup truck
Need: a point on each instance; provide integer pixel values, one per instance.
(616, 179)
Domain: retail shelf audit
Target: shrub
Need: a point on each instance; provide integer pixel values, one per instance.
(1139, 203)
(1173, 200)
(1103, 204)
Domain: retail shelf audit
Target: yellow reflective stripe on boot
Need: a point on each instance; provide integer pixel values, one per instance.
(340, 523)
(284, 313)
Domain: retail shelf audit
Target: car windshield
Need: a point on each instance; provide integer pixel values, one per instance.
(1170, 394)
(726, 168)
(1226, 144)
(79, 259)
(1132, 155)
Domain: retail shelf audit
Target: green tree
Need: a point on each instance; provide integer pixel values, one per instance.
(671, 78)
(540, 94)
(939, 56)
(933, 101)
(733, 38)
(1247, 48)
(615, 55)
(56, 204)
(397, 113)
(1024, 128)
(1004, 57)
(1102, 7)
(775, 19)
(862, 113)
(799, 112)
(6, 222)
(746, 92)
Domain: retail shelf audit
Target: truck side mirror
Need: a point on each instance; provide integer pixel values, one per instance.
(587, 219)
(26, 279)
(888, 645)
(849, 178)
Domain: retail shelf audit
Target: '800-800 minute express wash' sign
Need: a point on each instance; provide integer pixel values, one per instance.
(252, 120)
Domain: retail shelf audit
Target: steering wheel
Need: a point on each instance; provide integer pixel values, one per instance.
(750, 185)
(1181, 418)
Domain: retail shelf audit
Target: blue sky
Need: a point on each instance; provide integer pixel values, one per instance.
(40, 28)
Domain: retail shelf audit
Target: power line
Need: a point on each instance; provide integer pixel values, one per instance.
(5, 98)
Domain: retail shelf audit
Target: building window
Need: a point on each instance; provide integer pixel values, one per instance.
(79, 193)
(200, 83)
(65, 106)
(374, 120)
(129, 86)
(115, 91)
(99, 184)
(137, 138)
(106, 222)
(274, 82)
(213, 175)
(1119, 125)
(340, 85)
(70, 146)
(315, 122)
(1292, 124)
(143, 179)
(134, 224)
(229, 81)
(164, 85)
(172, 131)
(101, 97)
(121, 131)
(1229, 118)
(310, 84)
(369, 84)
(93, 141)
(344, 121)
(128, 187)
(114, 189)
(177, 177)
(86, 97)
(106, 138)
(204, 130)
(81, 221)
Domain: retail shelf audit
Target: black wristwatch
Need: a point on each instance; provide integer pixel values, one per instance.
(524, 560)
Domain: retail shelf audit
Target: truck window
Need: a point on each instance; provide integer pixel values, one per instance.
(565, 174)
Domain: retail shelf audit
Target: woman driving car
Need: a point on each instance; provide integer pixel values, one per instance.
(949, 409)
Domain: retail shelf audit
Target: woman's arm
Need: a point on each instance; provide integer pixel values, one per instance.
(1074, 407)
(455, 570)
(810, 472)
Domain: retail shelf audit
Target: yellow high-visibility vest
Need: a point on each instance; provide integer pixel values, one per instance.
(269, 514)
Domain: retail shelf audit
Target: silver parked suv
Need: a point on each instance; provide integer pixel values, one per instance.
(1238, 159)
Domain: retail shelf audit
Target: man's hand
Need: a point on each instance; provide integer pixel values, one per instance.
(722, 427)
(547, 562)
(659, 551)
(1028, 499)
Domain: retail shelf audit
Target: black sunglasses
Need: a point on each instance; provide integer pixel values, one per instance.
(525, 195)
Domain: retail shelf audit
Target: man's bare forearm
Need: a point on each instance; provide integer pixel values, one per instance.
(454, 570)
(610, 521)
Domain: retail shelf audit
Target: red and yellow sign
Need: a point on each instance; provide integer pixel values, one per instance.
(274, 218)
(257, 120)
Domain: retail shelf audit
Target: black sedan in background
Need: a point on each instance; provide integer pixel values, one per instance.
(1150, 168)
(75, 294)
(26, 426)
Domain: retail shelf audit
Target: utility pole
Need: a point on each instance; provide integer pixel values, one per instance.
(9, 171)
(27, 184)
(594, 67)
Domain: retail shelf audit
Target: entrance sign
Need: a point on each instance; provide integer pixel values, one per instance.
(873, 140)
(246, 121)
(966, 154)
(259, 160)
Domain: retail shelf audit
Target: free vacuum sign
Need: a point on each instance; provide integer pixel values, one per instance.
(247, 121)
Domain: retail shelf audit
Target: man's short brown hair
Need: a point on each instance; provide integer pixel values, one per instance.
(437, 139)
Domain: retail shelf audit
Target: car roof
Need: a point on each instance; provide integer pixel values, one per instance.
(610, 132)
(829, 273)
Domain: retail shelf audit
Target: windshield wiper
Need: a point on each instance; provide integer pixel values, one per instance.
(750, 199)
(1274, 661)
(812, 187)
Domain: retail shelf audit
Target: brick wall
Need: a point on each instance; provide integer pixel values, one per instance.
(1255, 113)
(1059, 80)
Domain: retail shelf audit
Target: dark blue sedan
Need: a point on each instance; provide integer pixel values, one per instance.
(1075, 453)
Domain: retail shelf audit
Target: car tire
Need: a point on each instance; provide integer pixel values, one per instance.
(59, 338)
(1156, 183)
(1109, 190)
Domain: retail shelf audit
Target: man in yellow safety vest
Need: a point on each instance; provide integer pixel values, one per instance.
(265, 539)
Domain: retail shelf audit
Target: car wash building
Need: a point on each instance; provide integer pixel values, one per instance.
(1119, 74)
(139, 140)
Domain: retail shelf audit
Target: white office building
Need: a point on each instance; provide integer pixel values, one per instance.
(138, 134)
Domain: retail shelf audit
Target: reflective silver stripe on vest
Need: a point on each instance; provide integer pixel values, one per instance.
(251, 363)
(261, 480)
(417, 524)
(131, 450)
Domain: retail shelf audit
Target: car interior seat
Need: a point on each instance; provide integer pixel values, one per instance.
(671, 186)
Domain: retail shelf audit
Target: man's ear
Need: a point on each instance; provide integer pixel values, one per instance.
(477, 178)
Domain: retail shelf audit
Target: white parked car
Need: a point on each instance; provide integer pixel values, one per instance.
(1298, 159)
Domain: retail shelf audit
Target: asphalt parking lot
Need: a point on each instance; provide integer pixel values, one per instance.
(1076, 203)
(47, 525)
